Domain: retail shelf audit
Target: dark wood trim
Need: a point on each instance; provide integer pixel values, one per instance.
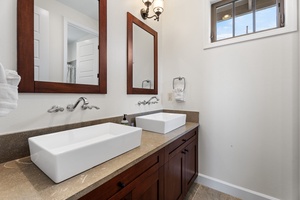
(25, 51)
(103, 46)
(130, 89)
(129, 53)
(25, 37)
(53, 87)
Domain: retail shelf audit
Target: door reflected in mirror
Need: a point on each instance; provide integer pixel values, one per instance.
(142, 58)
(66, 41)
(81, 55)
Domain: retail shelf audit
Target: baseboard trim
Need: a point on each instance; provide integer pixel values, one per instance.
(233, 190)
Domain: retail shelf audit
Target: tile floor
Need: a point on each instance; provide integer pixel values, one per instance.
(200, 192)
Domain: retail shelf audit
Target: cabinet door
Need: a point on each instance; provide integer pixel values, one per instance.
(150, 188)
(181, 169)
(174, 177)
(191, 163)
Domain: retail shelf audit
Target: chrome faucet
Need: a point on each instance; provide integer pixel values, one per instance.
(149, 101)
(154, 97)
(71, 107)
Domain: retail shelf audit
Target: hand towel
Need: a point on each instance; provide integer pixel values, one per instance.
(9, 81)
(12, 77)
(2, 74)
(178, 94)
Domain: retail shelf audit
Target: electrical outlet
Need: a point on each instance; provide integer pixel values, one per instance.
(170, 96)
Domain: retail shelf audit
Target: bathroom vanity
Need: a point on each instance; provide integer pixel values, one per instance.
(166, 174)
(162, 167)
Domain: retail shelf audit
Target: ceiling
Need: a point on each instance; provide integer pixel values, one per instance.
(75, 34)
(87, 7)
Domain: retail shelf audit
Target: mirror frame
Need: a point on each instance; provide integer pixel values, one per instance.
(25, 54)
(130, 89)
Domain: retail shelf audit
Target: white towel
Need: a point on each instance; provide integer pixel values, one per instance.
(9, 81)
(178, 94)
(12, 77)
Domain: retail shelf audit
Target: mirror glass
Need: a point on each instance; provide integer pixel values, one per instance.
(66, 41)
(62, 46)
(141, 57)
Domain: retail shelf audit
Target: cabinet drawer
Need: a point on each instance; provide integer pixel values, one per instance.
(180, 141)
(119, 182)
(148, 186)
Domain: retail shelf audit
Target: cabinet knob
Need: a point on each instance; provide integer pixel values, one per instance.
(183, 152)
(186, 150)
(184, 140)
(121, 184)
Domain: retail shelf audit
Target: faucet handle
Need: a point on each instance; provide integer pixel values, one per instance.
(55, 109)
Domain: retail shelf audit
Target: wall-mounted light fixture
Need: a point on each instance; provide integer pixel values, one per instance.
(158, 8)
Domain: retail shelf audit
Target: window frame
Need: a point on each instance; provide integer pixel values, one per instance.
(280, 20)
(291, 25)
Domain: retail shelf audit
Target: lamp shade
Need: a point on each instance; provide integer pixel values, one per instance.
(158, 6)
(147, 1)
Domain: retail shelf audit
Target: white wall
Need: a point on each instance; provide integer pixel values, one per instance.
(299, 102)
(247, 95)
(32, 108)
(71, 51)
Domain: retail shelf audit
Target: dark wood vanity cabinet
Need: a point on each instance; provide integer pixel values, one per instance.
(166, 174)
(181, 168)
(143, 180)
(147, 186)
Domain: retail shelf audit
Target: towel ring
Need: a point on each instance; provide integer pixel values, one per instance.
(147, 81)
(180, 79)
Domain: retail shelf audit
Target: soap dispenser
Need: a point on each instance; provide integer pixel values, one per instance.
(124, 120)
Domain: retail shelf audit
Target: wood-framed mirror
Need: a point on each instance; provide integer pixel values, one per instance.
(26, 53)
(142, 57)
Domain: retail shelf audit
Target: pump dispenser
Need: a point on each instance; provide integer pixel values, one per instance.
(124, 120)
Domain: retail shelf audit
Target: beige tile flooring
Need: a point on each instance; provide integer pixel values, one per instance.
(200, 192)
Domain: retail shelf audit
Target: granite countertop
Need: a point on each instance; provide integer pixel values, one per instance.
(21, 179)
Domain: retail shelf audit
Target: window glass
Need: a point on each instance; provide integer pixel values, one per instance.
(266, 14)
(224, 22)
(243, 17)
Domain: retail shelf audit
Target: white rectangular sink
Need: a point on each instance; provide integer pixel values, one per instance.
(64, 154)
(161, 122)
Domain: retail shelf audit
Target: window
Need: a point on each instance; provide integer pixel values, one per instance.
(234, 18)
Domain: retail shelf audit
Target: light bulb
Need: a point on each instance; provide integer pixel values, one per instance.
(158, 6)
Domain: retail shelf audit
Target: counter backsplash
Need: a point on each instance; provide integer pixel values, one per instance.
(14, 146)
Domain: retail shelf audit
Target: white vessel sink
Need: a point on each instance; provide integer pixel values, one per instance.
(64, 154)
(161, 122)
